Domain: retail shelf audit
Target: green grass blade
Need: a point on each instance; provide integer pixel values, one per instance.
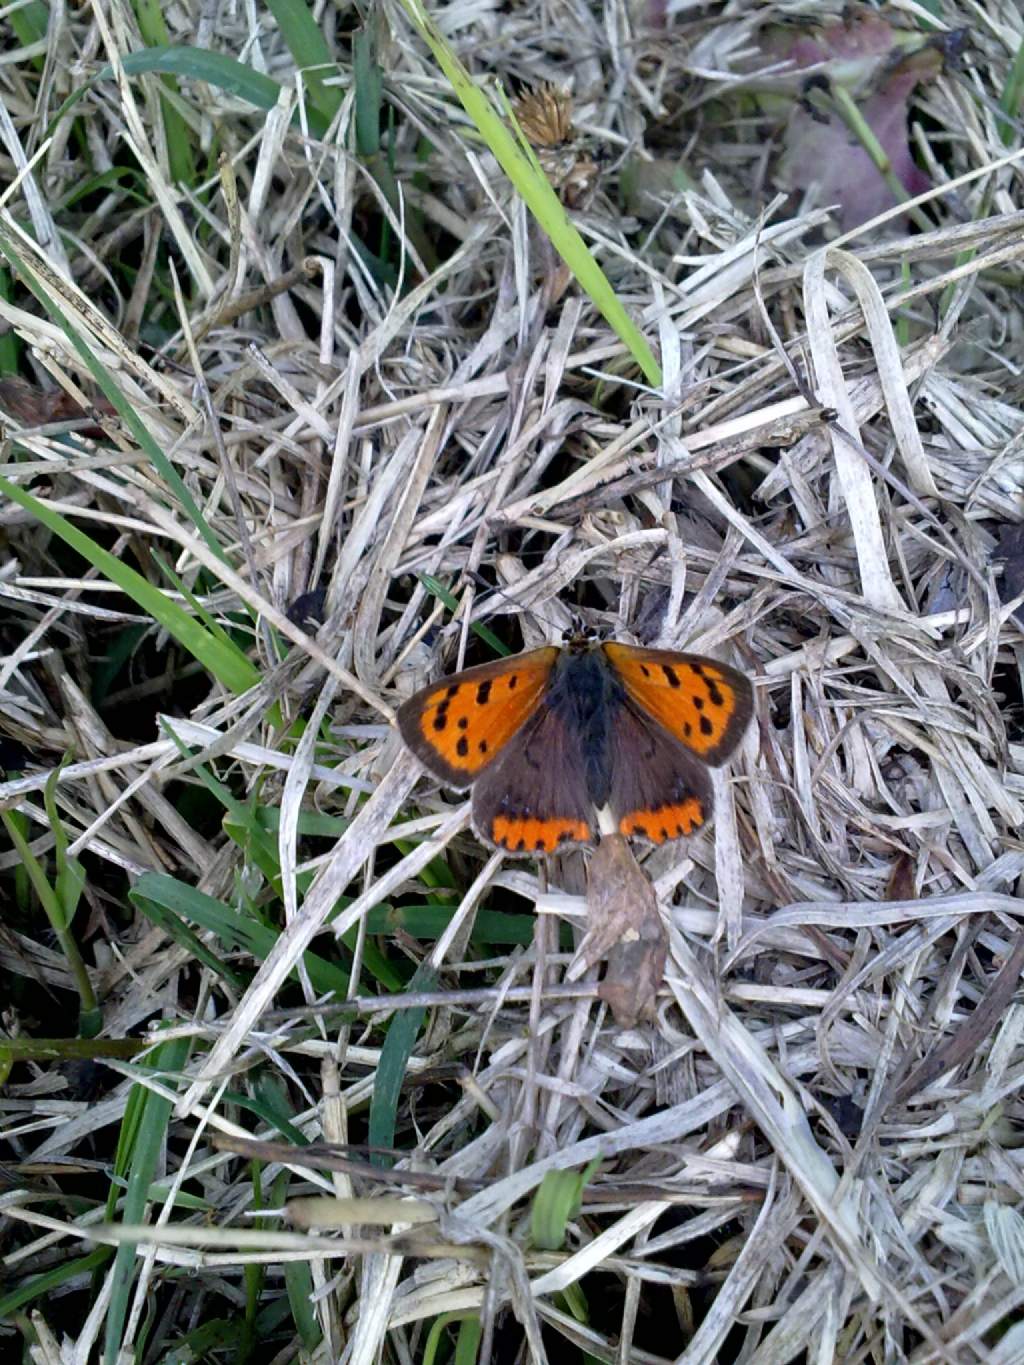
(557, 1200)
(223, 660)
(145, 1131)
(428, 922)
(181, 933)
(369, 86)
(234, 930)
(467, 1343)
(196, 63)
(68, 885)
(310, 53)
(394, 1058)
(105, 381)
(177, 134)
(437, 589)
(535, 189)
(49, 899)
(70, 879)
(10, 342)
(299, 1286)
(298, 1283)
(198, 611)
(29, 22)
(1013, 96)
(44, 1285)
(262, 851)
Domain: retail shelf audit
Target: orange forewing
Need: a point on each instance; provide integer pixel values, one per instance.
(458, 727)
(705, 704)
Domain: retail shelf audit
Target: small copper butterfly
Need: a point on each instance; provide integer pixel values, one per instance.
(549, 737)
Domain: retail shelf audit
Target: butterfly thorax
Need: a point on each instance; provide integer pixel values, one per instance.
(585, 692)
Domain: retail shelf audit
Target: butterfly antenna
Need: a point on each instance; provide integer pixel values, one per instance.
(491, 588)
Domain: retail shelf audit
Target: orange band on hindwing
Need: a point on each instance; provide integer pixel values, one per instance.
(531, 834)
(664, 822)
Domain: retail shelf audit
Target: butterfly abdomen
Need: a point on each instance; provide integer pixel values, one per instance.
(587, 694)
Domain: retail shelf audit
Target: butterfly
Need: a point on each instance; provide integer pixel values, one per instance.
(548, 738)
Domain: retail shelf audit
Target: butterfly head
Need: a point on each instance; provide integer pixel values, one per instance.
(580, 636)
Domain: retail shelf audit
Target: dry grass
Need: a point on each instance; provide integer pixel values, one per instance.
(814, 1151)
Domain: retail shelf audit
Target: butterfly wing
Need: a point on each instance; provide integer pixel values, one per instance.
(534, 798)
(705, 705)
(659, 791)
(459, 726)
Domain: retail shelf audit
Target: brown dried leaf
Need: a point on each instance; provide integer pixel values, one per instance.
(32, 406)
(901, 879)
(872, 59)
(626, 929)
